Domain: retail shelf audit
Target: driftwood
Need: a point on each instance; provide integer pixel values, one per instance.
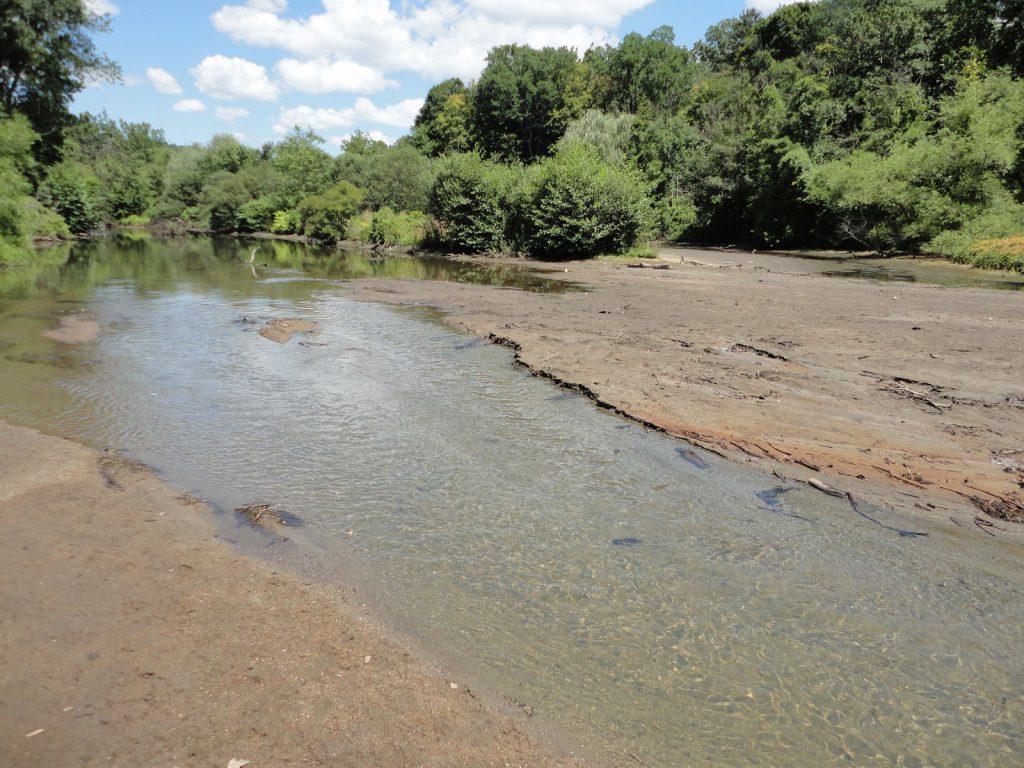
(816, 483)
(904, 391)
(739, 347)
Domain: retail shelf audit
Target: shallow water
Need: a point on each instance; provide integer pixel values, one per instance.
(656, 607)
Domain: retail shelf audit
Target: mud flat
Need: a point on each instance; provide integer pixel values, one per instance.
(132, 636)
(910, 395)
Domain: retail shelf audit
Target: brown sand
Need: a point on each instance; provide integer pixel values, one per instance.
(74, 329)
(282, 329)
(132, 637)
(909, 395)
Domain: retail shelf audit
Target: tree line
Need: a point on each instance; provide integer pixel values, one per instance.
(882, 125)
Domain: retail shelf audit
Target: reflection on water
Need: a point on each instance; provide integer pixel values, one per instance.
(657, 605)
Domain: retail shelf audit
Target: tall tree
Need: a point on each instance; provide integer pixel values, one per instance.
(46, 56)
(520, 107)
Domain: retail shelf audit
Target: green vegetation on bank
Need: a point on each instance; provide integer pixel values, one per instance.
(886, 125)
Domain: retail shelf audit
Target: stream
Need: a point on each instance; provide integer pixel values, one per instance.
(645, 602)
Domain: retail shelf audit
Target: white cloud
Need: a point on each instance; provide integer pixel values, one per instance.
(400, 115)
(102, 7)
(769, 6)
(189, 105)
(320, 76)
(230, 114)
(163, 81)
(604, 13)
(231, 78)
(437, 39)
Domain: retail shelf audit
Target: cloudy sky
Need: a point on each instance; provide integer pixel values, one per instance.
(256, 68)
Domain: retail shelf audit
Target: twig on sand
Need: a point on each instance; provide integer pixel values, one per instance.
(816, 483)
(912, 394)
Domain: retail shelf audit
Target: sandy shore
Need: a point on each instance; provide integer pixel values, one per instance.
(911, 396)
(132, 636)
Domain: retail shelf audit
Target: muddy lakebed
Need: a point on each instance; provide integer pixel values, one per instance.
(642, 600)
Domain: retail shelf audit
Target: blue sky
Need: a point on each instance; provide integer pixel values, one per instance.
(255, 68)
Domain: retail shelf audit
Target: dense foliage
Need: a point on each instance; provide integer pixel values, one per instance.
(886, 125)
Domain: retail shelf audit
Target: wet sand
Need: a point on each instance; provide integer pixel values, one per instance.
(74, 329)
(910, 396)
(132, 636)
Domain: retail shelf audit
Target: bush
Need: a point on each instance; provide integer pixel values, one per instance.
(404, 228)
(286, 222)
(135, 220)
(324, 216)
(358, 227)
(577, 206)
(41, 221)
(986, 240)
(257, 215)
(1001, 253)
(71, 189)
(471, 199)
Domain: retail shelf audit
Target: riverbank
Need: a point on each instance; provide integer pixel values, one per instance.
(907, 395)
(133, 636)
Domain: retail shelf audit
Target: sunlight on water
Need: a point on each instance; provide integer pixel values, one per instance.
(658, 612)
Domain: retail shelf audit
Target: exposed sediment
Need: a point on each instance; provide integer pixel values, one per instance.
(910, 396)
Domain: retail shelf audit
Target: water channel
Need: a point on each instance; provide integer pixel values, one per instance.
(654, 606)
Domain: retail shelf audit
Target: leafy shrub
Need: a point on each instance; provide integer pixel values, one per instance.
(676, 217)
(405, 228)
(71, 189)
(1001, 253)
(578, 206)
(398, 177)
(358, 227)
(471, 199)
(135, 220)
(324, 216)
(286, 222)
(41, 221)
(980, 240)
(257, 215)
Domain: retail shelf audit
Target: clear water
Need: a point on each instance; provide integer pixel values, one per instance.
(653, 611)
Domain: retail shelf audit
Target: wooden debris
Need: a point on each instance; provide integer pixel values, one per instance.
(757, 351)
(824, 488)
(262, 515)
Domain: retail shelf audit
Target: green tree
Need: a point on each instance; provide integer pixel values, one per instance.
(520, 106)
(302, 167)
(398, 177)
(608, 135)
(443, 123)
(46, 57)
(324, 216)
(643, 74)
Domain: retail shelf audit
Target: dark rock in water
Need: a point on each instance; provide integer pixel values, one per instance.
(628, 541)
(693, 458)
(773, 503)
(771, 498)
(268, 516)
(468, 344)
